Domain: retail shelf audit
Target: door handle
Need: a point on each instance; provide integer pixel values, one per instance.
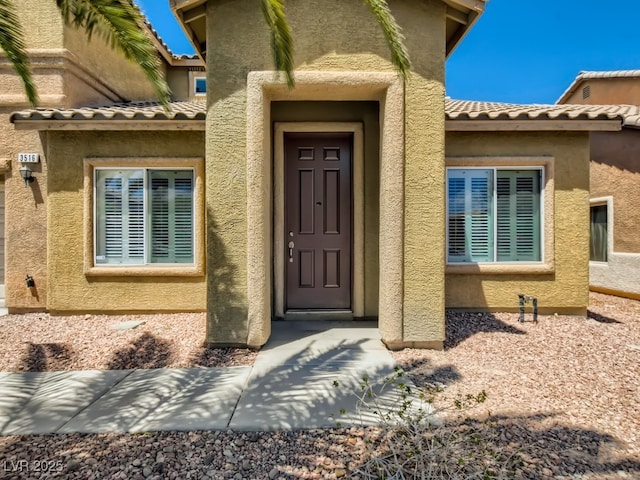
(291, 245)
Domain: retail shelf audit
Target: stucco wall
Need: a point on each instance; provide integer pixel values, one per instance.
(41, 22)
(325, 40)
(107, 66)
(69, 289)
(565, 289)
(615, 171)
(610, 91)
(25, 219)
(615, 175)
(42, 28)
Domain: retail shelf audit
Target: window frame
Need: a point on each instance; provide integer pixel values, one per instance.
(545, 165)
(194, 76)
(92, 165)
(599, 202)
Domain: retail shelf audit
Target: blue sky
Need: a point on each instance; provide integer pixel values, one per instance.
(520, 51)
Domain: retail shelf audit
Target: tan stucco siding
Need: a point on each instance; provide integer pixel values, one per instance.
(423, 308)
(25, 219)
(69, 288)
(615, 171)
(41, 22)
(565, 288)
(108, 67)
(326, 40)
(611, 91)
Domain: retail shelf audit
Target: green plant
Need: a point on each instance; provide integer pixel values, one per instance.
(415, 440)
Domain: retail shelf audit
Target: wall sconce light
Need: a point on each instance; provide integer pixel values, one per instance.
(26, 174)
(30, 282)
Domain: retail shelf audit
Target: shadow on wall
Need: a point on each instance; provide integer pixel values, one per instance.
(226, 306)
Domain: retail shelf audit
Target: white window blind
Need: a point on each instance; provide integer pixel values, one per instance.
(144, 216)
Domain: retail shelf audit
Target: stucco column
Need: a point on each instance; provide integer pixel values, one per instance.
(391, 216)
(424, 215)
(259, 194)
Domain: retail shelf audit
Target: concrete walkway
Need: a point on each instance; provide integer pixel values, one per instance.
(290, 386)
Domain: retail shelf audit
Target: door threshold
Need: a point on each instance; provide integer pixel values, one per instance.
(318, 314)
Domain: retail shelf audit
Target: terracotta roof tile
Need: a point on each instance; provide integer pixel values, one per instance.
(154, 111)
(454, 110)
(473, 110)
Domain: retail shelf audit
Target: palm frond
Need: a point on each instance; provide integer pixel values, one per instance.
(119, 22)
(12, 42)
(393, 34)
(281, 38)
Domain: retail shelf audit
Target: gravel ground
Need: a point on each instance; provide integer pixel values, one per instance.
(38, 342)
(563, 402)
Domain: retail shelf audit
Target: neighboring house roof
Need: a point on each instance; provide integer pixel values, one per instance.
(586, 75)
(120, 116)
(461, 115)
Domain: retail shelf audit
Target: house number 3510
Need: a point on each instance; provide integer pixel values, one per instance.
(28, 157)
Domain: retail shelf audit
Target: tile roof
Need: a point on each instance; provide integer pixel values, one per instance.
(473, 110)
(154, 111)
(590, 75)
(164, 45)
(455, 110)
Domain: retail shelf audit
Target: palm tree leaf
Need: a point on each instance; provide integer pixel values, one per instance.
(119, 22)
(12, 42)
(281, 38)
(393, 34)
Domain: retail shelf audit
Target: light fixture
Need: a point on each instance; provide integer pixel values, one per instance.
(30, 282)
(26, 174)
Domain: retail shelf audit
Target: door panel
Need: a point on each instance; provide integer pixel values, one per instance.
(318, 220)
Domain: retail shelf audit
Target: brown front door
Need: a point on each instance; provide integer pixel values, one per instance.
(318, 220)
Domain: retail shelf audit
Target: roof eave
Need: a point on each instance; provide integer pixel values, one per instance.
(464, 12)
(559, 125)
(179, 8)
(468, 11)
(570, 90)
(114, 125)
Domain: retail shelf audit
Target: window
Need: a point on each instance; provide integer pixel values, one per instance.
(199, 86)
(494, 215)
(144, 216)
(598, 245)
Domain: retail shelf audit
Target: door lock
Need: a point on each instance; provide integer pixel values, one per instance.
(291, 245)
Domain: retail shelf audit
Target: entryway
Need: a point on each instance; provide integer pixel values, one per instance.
(318, 220)
(318, 249)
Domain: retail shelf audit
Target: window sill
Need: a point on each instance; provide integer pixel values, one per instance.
(500, 268)
(145, 271)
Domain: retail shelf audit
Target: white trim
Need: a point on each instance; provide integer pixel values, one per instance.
(193, 79)
(608, 201)
(279, 265)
